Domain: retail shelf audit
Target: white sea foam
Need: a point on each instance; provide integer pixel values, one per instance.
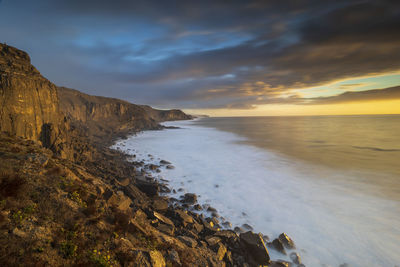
(330, 222)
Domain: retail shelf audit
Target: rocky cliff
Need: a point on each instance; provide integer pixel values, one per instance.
(28, 101)
(92, 206)
(103, 116)
(34, 108)
(165, 115)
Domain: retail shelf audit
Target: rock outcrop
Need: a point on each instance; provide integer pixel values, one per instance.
(102, 116)
(165, 115)
(106, 117)
(28, 101)
(60, 118)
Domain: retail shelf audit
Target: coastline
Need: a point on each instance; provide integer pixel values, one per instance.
(148, 171)
(67, 199)
(278, 194)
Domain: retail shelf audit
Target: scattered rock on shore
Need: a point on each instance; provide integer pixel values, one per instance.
(190, 198)
(295, 257)
(149, 188)
(277, 245)
(254, 245)
(247, 227)
(164, 162)
(287, 241)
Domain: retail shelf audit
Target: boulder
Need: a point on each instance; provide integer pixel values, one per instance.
(227, 224)
(157, 259)
(211, 209)
(134, 193)
(189, 233)
(124, 182)
(124, 204)
(119, 200)
(197, 227)
(212, 240)
(287, 241)
(190, 198)
(170, 167)
(214, 220)
(277, 245)
(247, 227)
(173, 256)
(166, 229)
(228, 236)
(123, 245)
(160, 204)
(295, 257)
(183, 217)
(190, 242)
(153, 167)
(149, 188)
(221, 250)
(197, 207)
(162, 218)
(209, 228)
(238, 229)
(140, 259)
(254, 245)
(164, 162)
(165, 189)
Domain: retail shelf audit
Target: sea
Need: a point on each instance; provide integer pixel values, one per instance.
(332, 183)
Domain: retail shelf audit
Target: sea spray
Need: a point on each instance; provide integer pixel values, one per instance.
(330, 222)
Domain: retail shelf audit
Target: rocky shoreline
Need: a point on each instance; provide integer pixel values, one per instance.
(67, 199)
(201, 225)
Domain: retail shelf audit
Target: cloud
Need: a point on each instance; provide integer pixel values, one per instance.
(352, 85)
(205, 54)
(369, 95)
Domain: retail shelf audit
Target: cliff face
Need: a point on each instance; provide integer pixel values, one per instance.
(28, 101)
(33, 107)
(103, 116)
(166, 115)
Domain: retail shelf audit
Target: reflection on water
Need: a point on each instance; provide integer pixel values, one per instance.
(366, 144)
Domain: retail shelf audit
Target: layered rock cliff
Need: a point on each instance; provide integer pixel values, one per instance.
(34, 108)
(106, 117)
(165, 115)
(28, 101)
(102, 116)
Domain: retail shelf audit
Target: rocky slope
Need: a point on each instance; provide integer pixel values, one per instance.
(96, 208)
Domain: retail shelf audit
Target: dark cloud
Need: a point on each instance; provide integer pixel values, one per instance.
(369, 95)
(390, 93)
(204, 54)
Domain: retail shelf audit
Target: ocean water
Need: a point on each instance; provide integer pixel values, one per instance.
(331, 183)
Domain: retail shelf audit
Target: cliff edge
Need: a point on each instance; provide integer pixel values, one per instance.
(28, 101)
(34, 108)
(104, 117)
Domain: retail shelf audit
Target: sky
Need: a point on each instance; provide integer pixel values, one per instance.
(221, 58)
